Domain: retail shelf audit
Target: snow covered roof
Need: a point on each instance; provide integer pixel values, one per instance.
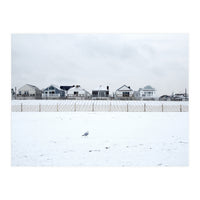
(102, 88)
(77, 89)
(52, 85)
(125, 88)
(148, 87)
(32, 86)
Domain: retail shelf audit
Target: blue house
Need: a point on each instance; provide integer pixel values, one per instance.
(53, 92)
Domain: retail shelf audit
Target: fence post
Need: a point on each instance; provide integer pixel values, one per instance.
(145, 107)
(21, 108)
(162, 108)
(93, 107)
(75, 107)
(127, 107)
(57, 107)
(180, 108)
(110, 106)
(39, 108)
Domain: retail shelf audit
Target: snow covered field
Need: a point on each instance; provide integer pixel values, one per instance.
(115, 139)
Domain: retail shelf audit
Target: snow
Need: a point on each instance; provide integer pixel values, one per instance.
(115, 139)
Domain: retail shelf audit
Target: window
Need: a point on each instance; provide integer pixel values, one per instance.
(75, 93)
(26, 93)
(95, 93)
(51, 88)
(102, 93)
(125, 94)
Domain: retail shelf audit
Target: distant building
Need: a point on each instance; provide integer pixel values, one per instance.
(53, 92)
(77, 92)
(100, 93)
(180, 96)
(29, 92)
(124, 92)
(13, 96)
(66, 88)
(146, 93)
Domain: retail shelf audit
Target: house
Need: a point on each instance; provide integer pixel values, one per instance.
(100, 93)
(124, 92)
(53, 92)
(66, 88)
(146, 93)
(77, 92)
(180, 96)
(29, 92)
(164, 98)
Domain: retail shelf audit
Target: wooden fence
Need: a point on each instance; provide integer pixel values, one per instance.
(99, 106)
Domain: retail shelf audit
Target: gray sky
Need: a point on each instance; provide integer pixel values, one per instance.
(90, 60)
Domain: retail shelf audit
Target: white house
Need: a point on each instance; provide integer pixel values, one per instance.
(53, 92)
(77, 92)
(124, 92)
(29, 92)
(101, 92)
(146, 93)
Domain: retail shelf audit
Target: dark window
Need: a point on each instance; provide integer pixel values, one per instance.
(75, 93)
(51, 88)
(102, 93)
(95, 93)
(125, 94)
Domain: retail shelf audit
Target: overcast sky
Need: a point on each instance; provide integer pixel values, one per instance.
(90, 60)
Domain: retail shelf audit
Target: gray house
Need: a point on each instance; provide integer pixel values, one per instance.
(29, 92)
(101, 93)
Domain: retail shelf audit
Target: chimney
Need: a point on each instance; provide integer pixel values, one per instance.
(107, 87)
(129, 87)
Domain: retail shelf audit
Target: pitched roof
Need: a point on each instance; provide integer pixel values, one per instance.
(55, 86)
(33, 86)
(125, 88)
(148, 87)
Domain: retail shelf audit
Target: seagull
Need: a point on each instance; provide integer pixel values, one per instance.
(86, 134)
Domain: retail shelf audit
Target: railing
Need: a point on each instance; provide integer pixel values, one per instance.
(97, 106)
